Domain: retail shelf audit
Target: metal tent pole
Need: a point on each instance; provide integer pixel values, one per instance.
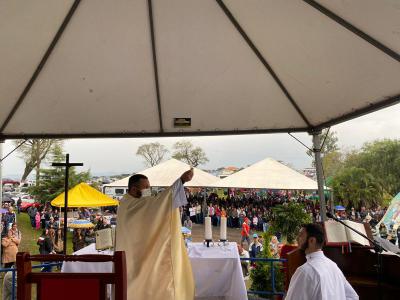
(318, 165)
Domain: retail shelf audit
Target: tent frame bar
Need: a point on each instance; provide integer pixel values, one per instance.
(155, 65)
(354, 29)
(361, 112)
(148, 134)
(41, 64)
(262, 60)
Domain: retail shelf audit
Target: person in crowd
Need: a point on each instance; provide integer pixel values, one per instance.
(90, 237)
(32, 210)
(218, 215)
(8, 286)
(392, 235)
(244, 263)
(78, 240)
(45, 247)
(9, 219)
(43, 214)
(188, 223)
(274, 247)
(318, 278)
(245, 232)
(45, 243)
(199, 218)
(52, 224)
(10, 249)
(19, 203)
(255, 222)
(101, 224)
(56, 215)
(383, 231)
(223, 212)
(15, 232)
(37, 220)
(192, 213)
(58, 245)
(255, 246)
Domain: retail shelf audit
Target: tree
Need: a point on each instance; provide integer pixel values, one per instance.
(153, 153)
(382, 159)
(185, 151)
(287, 219)
(355, 187)
(51, 182)
(34, 152)
(332, 162)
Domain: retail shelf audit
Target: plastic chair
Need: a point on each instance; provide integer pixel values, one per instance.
(71, 286)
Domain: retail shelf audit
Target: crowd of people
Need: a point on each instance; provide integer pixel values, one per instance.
(46, 219)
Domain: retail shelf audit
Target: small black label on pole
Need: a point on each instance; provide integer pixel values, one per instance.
(182, 122)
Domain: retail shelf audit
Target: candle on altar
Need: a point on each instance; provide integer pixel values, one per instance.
(208, 230)
(222, 233)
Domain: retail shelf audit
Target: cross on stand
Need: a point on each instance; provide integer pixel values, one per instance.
(67, 165)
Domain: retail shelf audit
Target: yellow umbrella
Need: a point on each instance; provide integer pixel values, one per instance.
(83, 195)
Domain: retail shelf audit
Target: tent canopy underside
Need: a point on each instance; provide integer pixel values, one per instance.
(125, 68)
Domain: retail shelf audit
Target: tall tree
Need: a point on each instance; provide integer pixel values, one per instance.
(382, 159)
(34, 152)
(356, 187)
(153, 153)
(187, 152)
(51, 183)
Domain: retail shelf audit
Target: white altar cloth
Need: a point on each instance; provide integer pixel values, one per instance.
(217, 271)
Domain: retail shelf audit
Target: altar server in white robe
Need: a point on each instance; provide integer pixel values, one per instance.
(149, 231)
(319, 278)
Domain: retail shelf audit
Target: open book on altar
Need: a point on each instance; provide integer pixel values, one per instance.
(337, 234)
(105, 238)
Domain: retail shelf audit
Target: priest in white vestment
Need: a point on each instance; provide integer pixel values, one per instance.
(319, 278)
(149, 231)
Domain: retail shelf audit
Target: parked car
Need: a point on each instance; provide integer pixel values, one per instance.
(8, 199)
(28, 203)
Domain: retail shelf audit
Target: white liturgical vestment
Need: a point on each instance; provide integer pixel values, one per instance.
(149, 231)
(319, 279)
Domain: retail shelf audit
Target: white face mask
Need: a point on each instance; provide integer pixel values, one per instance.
(146, 192)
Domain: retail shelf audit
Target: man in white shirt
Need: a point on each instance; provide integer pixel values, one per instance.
(319, 278)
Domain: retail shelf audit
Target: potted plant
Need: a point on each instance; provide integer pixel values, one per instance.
(286, 219)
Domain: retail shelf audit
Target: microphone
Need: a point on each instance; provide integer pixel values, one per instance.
(329, 215)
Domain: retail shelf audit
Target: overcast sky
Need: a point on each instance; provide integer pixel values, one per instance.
(105, 156)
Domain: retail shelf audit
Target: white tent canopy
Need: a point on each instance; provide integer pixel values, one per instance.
(268, 174)
(166, 173)
(100, 68)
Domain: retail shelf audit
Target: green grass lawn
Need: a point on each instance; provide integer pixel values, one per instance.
(31, 235)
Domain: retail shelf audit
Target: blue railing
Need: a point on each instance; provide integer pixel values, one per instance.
(14, 270)
(272, 261)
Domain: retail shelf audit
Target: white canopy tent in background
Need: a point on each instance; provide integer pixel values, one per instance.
(136, 68)
(268, 174)
(166, 173)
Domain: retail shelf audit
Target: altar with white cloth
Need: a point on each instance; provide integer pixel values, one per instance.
(217, 271)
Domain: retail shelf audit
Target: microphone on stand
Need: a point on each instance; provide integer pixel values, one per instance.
(377, 247)
(330, 215)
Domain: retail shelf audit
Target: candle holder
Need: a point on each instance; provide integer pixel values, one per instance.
(223, 242)
(208, 242)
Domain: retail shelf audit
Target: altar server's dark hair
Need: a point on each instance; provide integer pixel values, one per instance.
(316, 231)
